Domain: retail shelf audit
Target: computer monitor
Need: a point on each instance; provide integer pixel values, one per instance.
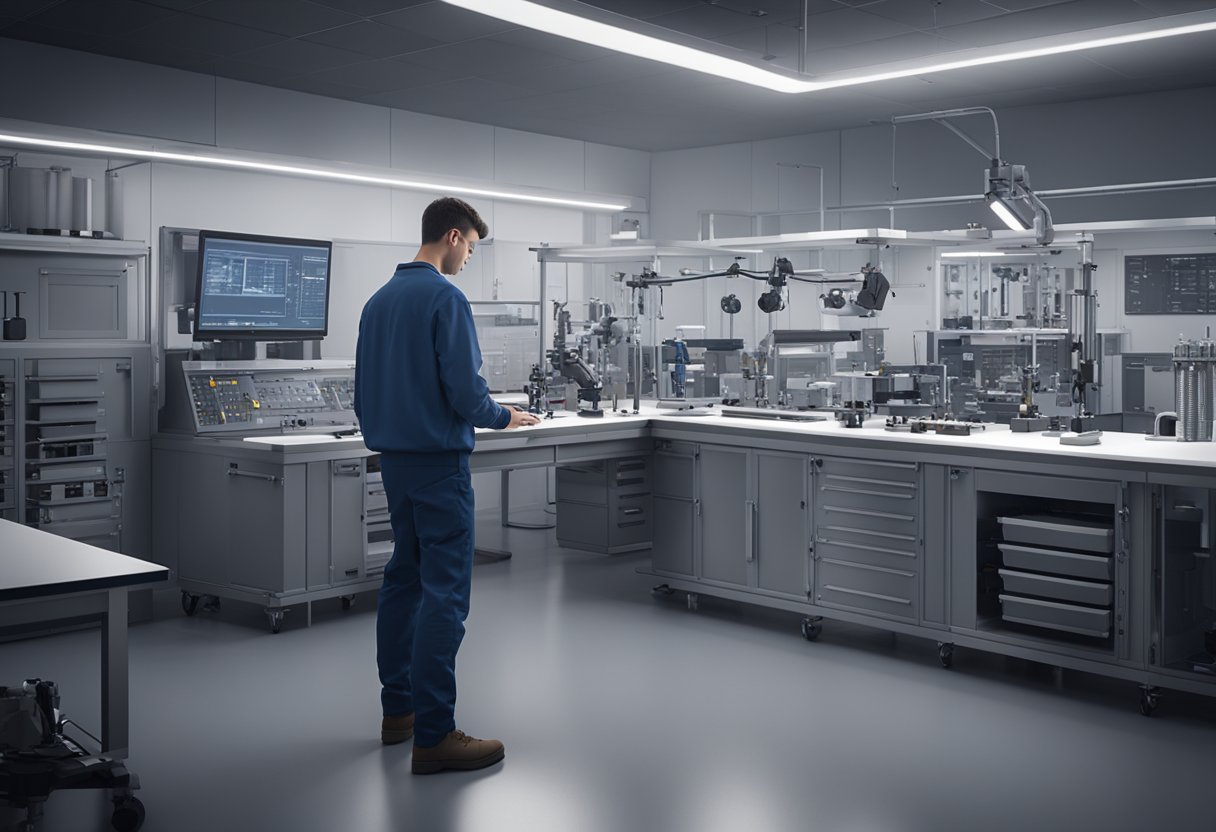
(258, 288)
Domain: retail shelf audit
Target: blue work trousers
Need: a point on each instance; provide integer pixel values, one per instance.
(425, 597)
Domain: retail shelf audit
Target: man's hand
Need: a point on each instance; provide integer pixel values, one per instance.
(520, 418)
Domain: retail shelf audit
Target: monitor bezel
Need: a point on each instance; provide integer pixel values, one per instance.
(202, 334)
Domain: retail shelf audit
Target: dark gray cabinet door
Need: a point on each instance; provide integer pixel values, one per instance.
(674, 508)
(347, 538)
(727, 515)
(782, 532)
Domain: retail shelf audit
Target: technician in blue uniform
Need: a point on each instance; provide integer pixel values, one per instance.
(418, 397)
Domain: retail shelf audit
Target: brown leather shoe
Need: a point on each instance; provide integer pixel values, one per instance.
(395, 729)
(457, 752)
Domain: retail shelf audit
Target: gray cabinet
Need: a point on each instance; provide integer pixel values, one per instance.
(868, 545)
(675, 508)
(731, 517)
(728, 512)
(782, 528)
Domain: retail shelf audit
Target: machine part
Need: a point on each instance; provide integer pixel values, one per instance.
(1194, 365)
(1029, 424)
(1165, 427)
(538, 393)
(676, 354)
(773, 414)
(731, 305)
(943, 427)
(1089, 437)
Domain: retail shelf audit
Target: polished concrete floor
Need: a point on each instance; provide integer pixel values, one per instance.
(625, 711)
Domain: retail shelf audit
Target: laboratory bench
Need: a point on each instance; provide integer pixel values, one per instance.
(1088, 557)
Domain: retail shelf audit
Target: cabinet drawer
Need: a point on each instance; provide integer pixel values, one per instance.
(903, 557)
(1055, 615)
(1072, 564)
(888, 472)
(586, 483)
(863, 587)
(84, 412)
(1059, 589)
(1077, 534)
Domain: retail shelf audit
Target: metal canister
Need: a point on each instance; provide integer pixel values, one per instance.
(1194, 365)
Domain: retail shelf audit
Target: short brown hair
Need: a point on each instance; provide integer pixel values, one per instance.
(448, 212)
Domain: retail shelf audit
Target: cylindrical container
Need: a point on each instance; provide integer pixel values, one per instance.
(1194, 368)
(61, 215)
(82, 203)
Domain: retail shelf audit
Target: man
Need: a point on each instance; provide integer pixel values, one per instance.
(418, 397)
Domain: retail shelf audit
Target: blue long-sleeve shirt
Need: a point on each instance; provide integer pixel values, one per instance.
(417, 388)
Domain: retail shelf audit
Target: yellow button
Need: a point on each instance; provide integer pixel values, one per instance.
(256, 403)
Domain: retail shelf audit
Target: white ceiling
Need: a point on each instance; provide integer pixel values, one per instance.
(434, 58)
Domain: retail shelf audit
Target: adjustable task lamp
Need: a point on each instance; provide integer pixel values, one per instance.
(1007, 191)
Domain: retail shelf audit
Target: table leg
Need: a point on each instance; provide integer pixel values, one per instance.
(115, 711)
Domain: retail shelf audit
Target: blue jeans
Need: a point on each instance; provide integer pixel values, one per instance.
(425, 597)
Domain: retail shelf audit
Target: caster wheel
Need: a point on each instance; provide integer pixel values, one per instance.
(128, 814)
(1148, 700)
(811, 628)
(945, 654)
(276, 621)
(348, 601)
(189, 603)
(693, 600)
(211, 603)
(662, 589)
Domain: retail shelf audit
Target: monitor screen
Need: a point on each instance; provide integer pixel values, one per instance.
(261, 288)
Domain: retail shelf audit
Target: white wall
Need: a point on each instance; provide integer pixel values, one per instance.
(1103, 141)
(157, 103)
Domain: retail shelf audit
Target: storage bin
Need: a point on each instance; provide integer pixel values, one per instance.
(1059, 532)
(1060, 589)
(1055, 615)
(1072, 564)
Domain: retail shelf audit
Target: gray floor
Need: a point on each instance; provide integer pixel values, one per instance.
(623, 711)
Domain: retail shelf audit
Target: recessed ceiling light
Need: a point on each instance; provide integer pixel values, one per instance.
(581, 24)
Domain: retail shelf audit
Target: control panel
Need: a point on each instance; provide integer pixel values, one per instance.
(268, 395)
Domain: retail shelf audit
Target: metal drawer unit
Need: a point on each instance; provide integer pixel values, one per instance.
(1057, 573)
(66, 452)
(376, 522)
(605, 506)
(8, 439)
(868, 543)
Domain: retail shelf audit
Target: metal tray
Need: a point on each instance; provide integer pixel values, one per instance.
(1054, 615)
(1059, 532)
(1060, 589)
(1072, 564)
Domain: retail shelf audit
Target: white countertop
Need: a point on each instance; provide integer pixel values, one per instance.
(1115, 447)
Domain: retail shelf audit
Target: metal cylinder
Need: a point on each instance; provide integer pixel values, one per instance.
(1194, 370)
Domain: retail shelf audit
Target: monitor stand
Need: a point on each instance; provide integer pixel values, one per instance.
(234, 350)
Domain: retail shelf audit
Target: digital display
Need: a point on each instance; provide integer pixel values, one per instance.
(261, 288)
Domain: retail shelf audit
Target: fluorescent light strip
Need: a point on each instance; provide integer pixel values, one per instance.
(585, 30)
(1008, 217)
(975, 254)
(296, 170)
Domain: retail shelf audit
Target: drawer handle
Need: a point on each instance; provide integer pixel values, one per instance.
(868, 493)
(749, 531)
(233, 471)
(629, 512)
